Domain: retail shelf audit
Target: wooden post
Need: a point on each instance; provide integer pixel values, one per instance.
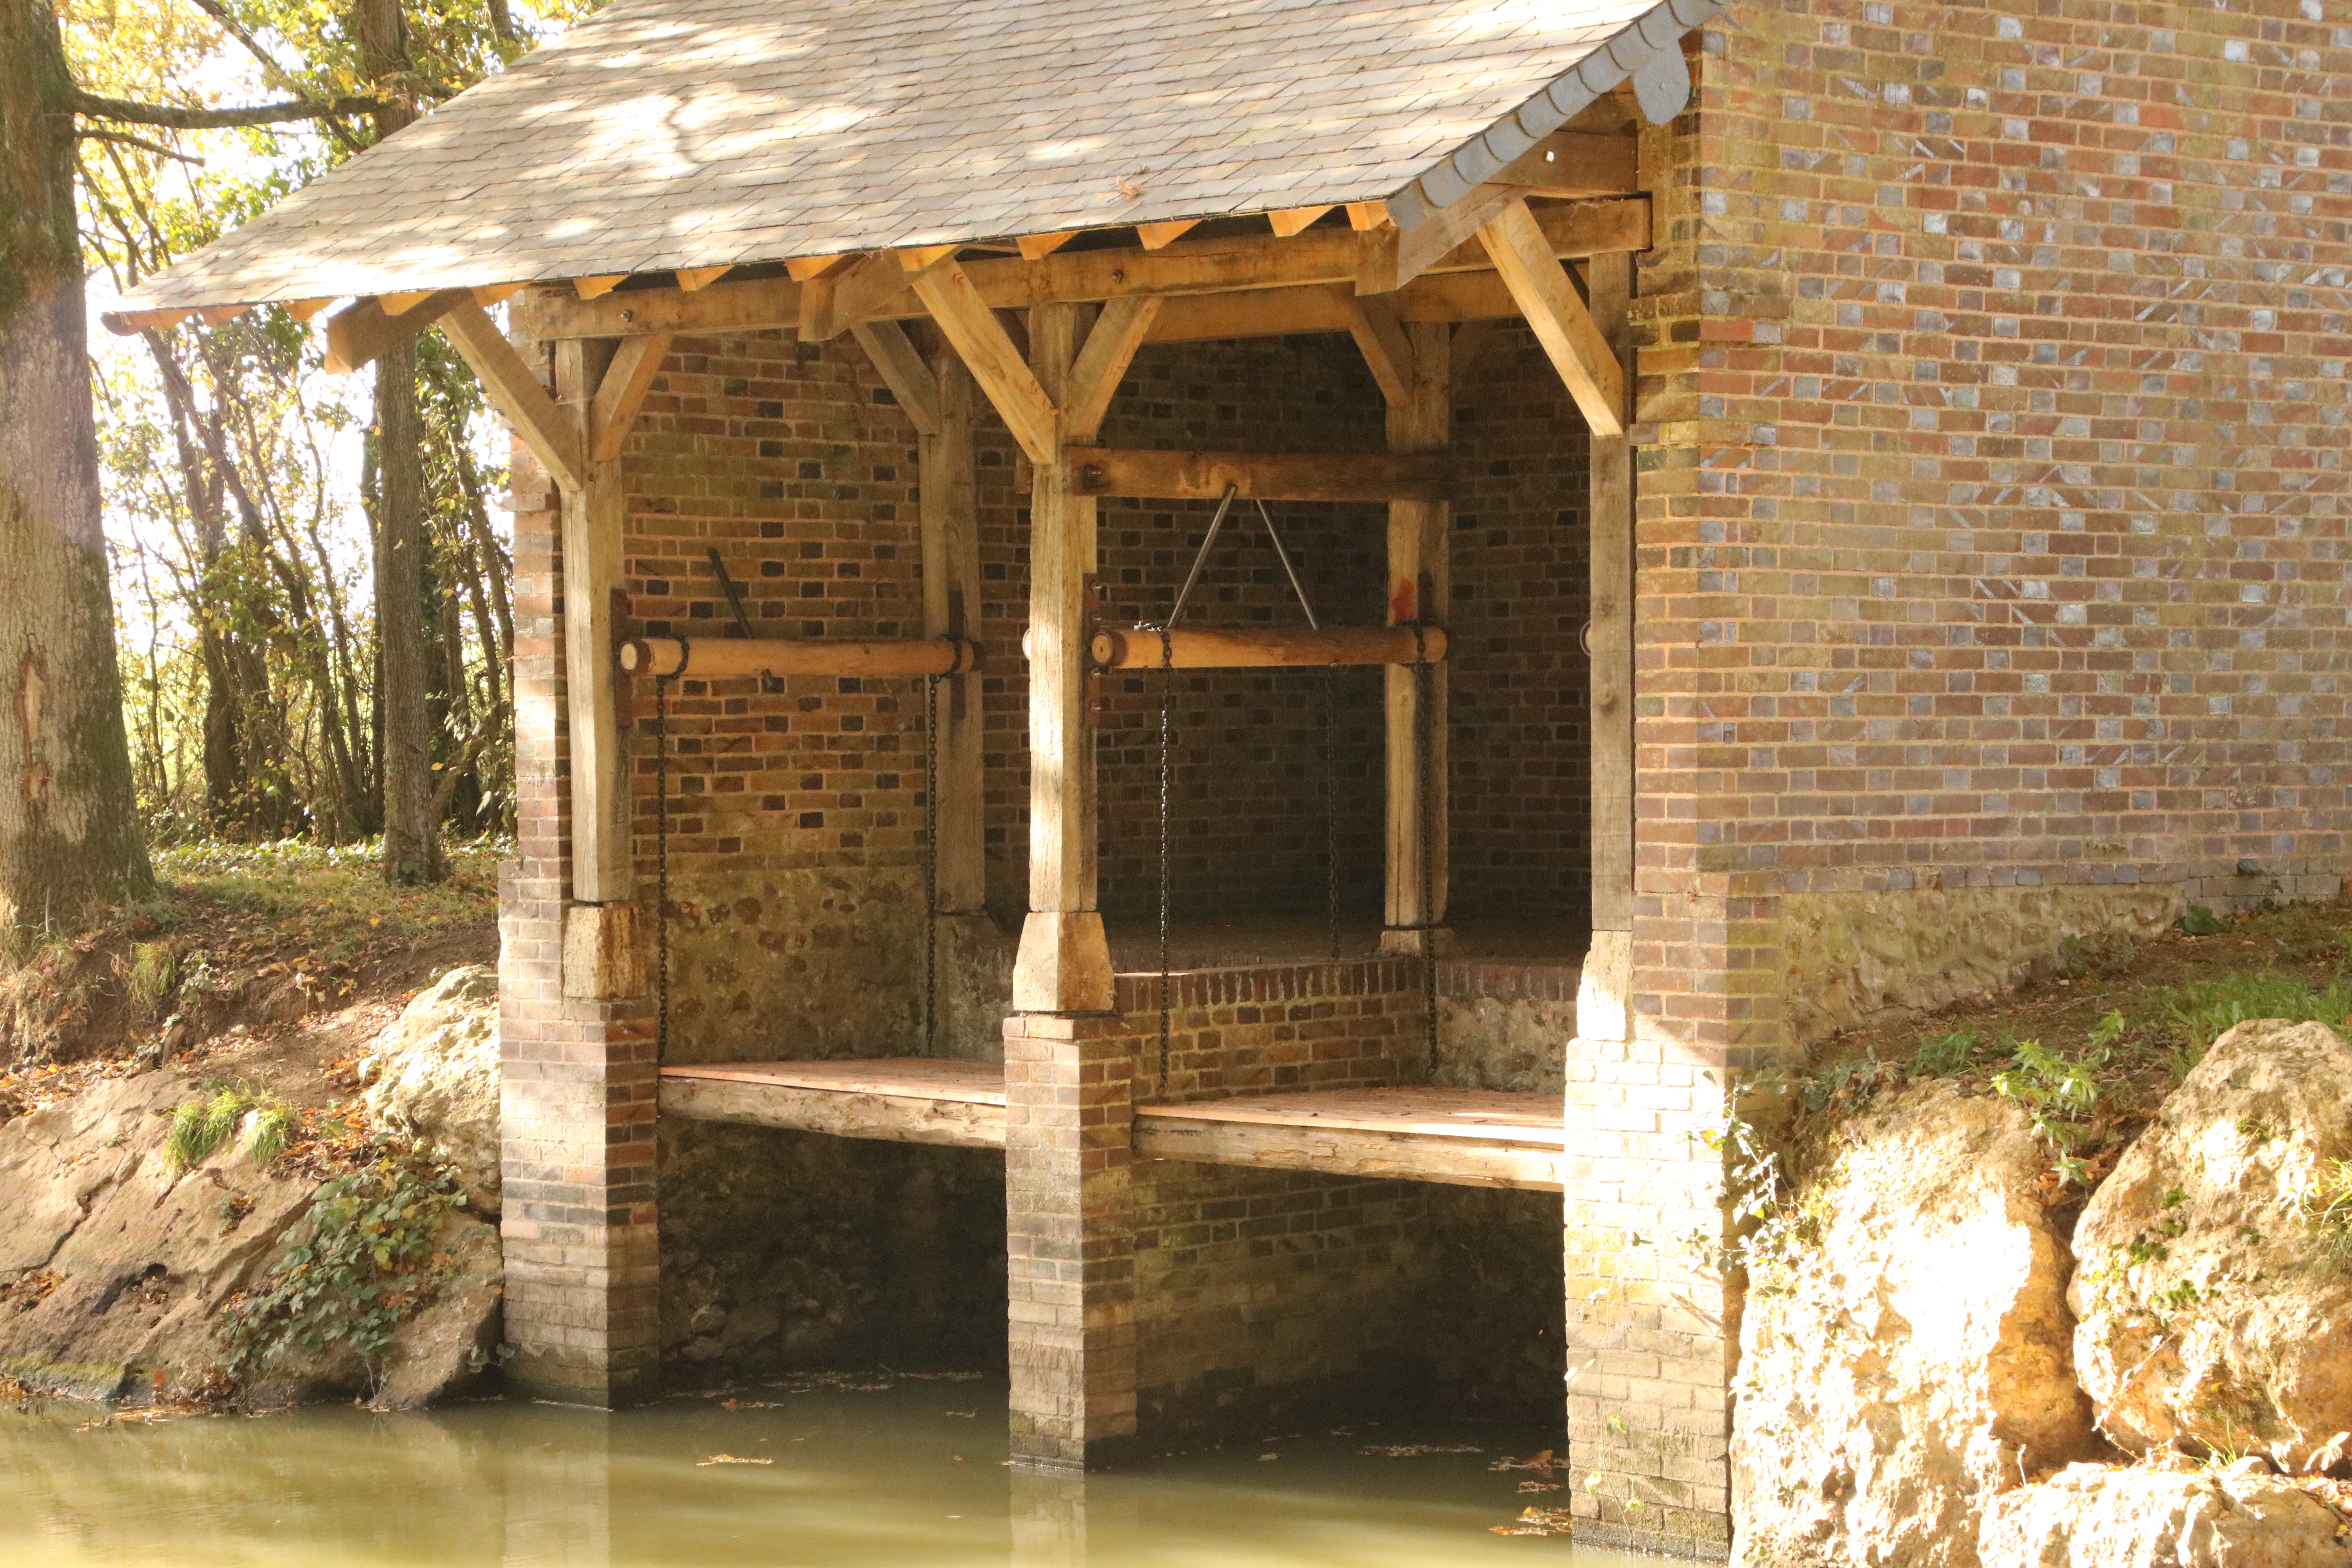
(1419, 586)
(951, 609)
(1063, 965)
(1603, 1009)
(600, 950)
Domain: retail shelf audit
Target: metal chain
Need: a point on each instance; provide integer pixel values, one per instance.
(1424, 688)
(1167, 663)
(661, 866)
(931, 865)
(1331, 806)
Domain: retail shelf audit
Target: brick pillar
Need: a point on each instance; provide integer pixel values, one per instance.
(1069, 1239)
(577, 1078)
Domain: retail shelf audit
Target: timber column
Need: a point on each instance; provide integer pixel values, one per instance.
(1069, 1066)
(577, 1067)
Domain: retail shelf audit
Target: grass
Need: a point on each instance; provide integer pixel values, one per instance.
(200, 1126)
(335, 887)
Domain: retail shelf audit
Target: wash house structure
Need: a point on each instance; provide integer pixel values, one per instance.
(1672, 574)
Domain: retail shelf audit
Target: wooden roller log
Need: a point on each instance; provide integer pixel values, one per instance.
(1252, 647)
(716, 658)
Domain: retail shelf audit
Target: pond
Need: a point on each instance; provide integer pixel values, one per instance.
(873, 1471)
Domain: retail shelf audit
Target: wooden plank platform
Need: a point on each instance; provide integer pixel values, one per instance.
(899, 1099)
(1474, 1138)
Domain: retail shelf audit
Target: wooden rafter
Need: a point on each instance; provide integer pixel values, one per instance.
(910, 381)
(598, 287)
(1562, 324)
(916, 257)
(964, 315)
(550, 433)
(801, 269)
(303, 309)
(1033, 246)
(489, 294)
(692, 279)
(1367, 215)
(395, 304)
(1296, 220)
(362, 331)
(1160, 236)
(622, 393)
(1239, 262)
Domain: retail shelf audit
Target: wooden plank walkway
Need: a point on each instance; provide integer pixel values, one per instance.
(1478, 1138)
(1466, 1137)
(900, 1100)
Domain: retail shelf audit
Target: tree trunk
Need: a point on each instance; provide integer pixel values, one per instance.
(412, 839)
(70, 843)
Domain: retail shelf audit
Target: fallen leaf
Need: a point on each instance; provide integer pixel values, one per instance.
(729, 1459)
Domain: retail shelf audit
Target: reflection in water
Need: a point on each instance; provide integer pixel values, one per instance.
(908, 1475)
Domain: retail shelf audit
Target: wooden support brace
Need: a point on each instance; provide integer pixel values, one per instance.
(1562, 324)
(832, 303)
(359, 334)
(1380, 339)
(622, 393)
(721, 658)
(554, 435)
(1265, 647)
(1102, 364)
(988, 350)
(1566, 164)
(910, 381)
(1260, 476)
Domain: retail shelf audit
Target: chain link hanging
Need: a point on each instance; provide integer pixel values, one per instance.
(1167, 662)
(1425, 690)
(931, 865)
(661, 868)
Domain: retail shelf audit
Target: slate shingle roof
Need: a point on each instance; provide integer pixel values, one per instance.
(673, 133)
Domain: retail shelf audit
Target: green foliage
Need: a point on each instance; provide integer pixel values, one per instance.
(200, 1126)
(2059, 1094)
(154, 971)
(1941, 1055)
(2199, 921)
(364, 1262)
(2193, 1015)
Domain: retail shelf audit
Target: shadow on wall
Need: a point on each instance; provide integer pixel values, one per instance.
(785, 1250)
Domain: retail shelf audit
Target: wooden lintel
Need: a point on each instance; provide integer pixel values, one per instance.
(902, 369)
(1562, 324)
(514, 391)
(1036, 247)
(1110, 349)
(1260, 476)
(1295, 220)
(1265, 647)
(622, 393)
(996, 364)
(597, 286)
(1239, 262)
(362, 331)
(1160, 236)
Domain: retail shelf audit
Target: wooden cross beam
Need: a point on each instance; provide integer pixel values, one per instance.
(1260, 476)
(1562, 324)
(1266, 648)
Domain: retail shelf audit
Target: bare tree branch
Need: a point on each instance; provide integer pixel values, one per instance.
(126, 140)
(285, 79)
(97, 108)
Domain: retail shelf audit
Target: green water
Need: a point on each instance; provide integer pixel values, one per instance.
(907, 1474)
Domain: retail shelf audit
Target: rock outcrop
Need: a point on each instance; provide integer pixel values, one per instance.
(1911, 1360)
(2214, 1287)
(433, 1074)
(114, 1264)
(2099, 1516)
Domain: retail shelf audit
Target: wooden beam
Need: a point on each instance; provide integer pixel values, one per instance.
(1380, 339)
(622, 393)
(594, 512)
(303, 309)
(1190, 1133)
(726, 658)
(801, 269)
(362, 331)
(394, 304)
(1329, 308)
(952, 599)
(878, 1104)
(1611, 620)
(902, 369)
(988, 352)
(597, 288)
(1064, 961)
(1260, 476)
(1265, 647)
(831, 304)
(1102, 364)
(1566, 163)
(550, 433)
(1320, 256)
(1295, 220)
(489, 294)
(1562, 324)
(1034, 246)
(916, 257)
(1160, 235)
(1421, 586)
(1367, 215)
(693, 279)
